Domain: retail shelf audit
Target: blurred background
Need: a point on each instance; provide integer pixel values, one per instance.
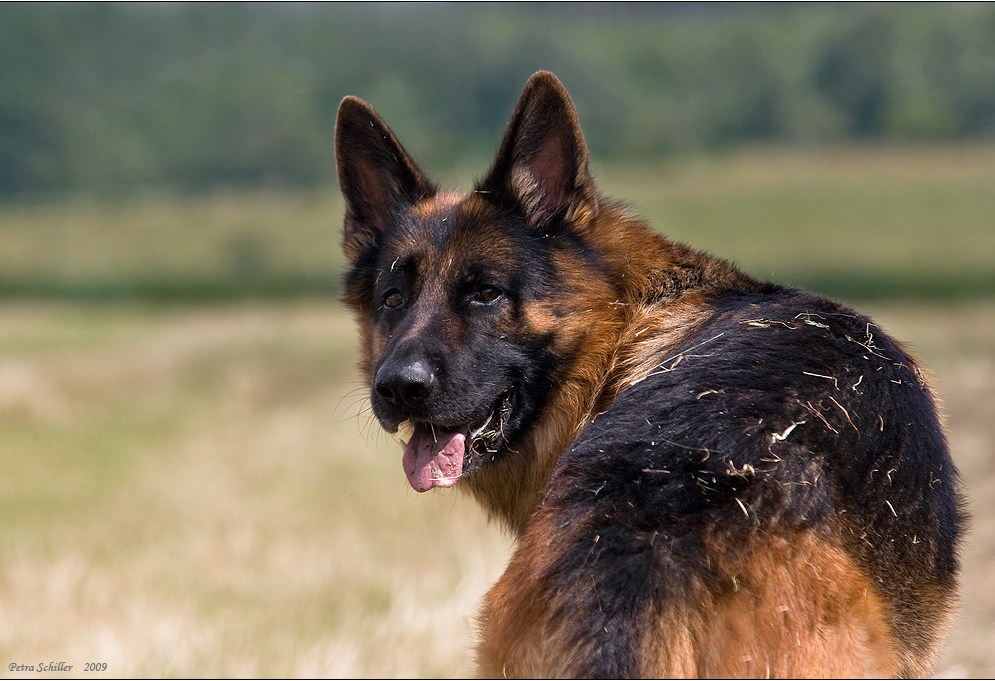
(190, 480)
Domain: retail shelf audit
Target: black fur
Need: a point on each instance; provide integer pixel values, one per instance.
(469, 377)
(743, 412)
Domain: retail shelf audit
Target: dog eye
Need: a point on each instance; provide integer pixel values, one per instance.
(488, 294)
(393, 299)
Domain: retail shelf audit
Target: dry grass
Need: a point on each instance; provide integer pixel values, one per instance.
(195, 492)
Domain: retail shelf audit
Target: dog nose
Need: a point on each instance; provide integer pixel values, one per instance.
(406, 385)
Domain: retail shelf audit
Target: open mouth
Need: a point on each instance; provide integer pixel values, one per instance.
(435, 454)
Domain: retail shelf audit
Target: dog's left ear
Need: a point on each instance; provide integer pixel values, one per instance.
(542, 163)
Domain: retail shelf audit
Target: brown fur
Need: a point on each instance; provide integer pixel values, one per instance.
(623, 338)
(788, 595)
(792, 608)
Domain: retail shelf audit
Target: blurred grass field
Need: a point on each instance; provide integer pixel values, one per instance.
(855, 223)
(192, 485)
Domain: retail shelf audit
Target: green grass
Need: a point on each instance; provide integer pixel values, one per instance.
(236, 245)
(854, 223)
(857, 223)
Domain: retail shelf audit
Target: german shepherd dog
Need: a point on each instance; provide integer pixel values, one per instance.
(706, 474)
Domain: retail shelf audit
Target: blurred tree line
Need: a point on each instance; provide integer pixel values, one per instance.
(111, 98)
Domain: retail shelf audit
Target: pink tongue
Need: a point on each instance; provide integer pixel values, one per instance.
(430, 463)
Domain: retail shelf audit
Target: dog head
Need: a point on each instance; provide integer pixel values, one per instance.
(467, 305)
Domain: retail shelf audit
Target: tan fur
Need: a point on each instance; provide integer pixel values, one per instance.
(615, 339)
(792, 608)
(799, 608)
(588, 322)
(439, 203)
(518, 638)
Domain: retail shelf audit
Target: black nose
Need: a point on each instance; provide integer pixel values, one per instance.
(404, 384)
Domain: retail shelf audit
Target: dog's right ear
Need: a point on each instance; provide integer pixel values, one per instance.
(542, 163)
(377, 176)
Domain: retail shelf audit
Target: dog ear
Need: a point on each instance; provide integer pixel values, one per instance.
(377, 176)
(542, 162)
